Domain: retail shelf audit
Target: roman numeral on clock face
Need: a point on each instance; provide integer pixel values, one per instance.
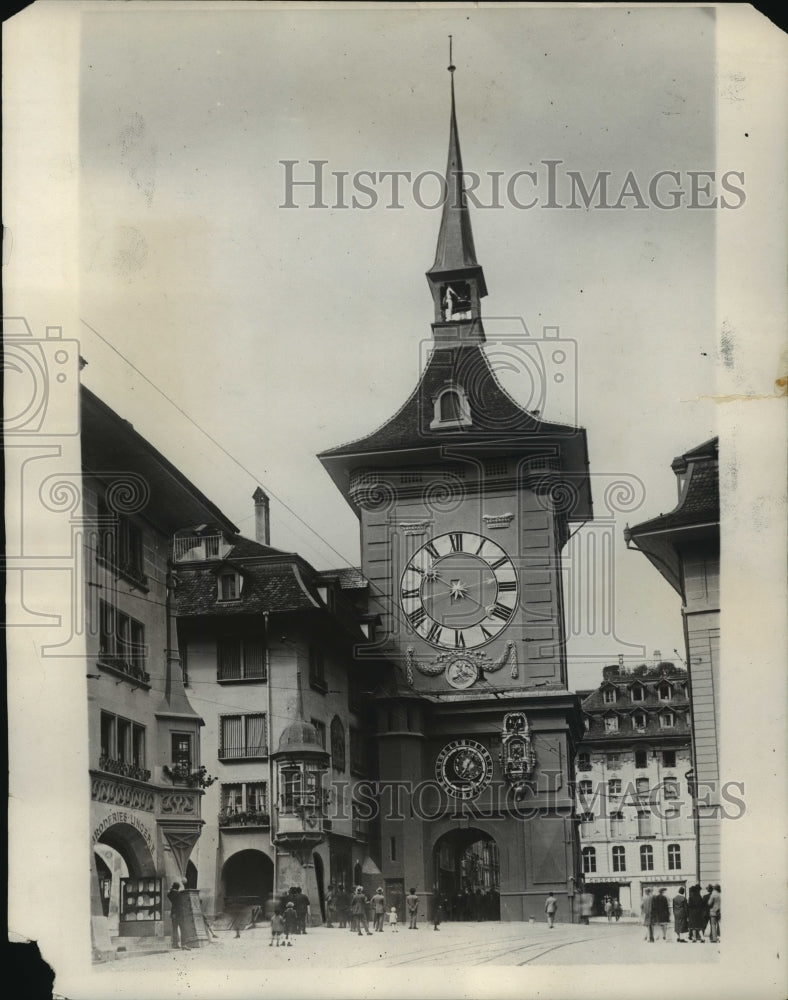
(410, 593)
(502, 612)
(459, 639)
(434, 634)
(416, 617)
(429, 547)
(455, 538)
(505, 585)
(498, 562)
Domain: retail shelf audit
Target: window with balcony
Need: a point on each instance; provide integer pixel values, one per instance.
(644, 824)
(122, 643)
(619, 859)
(244, 804)
(647, 858)
(674, 857)
(240, 659)
(122, 748)
(242, 737)
(589, 860)
(181, 755)
(317, 669)
(641, 759)
(668, 758)
(584, 762)
(616, 824)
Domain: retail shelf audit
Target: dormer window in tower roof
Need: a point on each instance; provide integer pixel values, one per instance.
(609, 695)
(229, 583)
(451, 409)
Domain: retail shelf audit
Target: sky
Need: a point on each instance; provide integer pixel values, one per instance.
(242, 338)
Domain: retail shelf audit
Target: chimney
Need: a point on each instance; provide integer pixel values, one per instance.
(262, 517)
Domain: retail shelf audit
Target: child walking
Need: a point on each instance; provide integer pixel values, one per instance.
(393, 919)
(277, 926)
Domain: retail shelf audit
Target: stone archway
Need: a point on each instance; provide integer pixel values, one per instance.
(247, 879)
(467, 871)
(128, 889)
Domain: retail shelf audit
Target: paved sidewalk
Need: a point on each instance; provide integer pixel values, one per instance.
(455, 944)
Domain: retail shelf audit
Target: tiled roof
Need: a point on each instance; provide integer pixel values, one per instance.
(495, 414)
(596, 708)
(700, 499)
(272, 586)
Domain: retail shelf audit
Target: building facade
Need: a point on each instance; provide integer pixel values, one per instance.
(684, 546)
(144, 735)
(633, 788)
(268, 663)
(465, 501)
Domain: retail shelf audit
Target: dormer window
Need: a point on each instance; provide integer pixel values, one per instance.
(637, 693)
(609, 696)
(639, 720)
(451, 408)
(611, 724)
(667, 720)
(665, 692)
(230, 585)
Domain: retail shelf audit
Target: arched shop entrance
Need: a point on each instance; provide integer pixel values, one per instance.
(247, 879)
(128, 886)
(467, 871)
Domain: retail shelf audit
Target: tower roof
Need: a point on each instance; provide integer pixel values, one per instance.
(455, 248)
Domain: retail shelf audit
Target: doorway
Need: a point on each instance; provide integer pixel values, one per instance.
(467, 872)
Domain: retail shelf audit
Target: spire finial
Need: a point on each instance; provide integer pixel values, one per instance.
(451, 67)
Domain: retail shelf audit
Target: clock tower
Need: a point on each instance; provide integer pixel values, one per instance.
(465, 501)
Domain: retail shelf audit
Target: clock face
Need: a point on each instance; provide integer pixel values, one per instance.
(459, 590)
(464, 768)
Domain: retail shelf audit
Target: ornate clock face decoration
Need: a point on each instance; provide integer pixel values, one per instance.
(462, 672)
(459, 590)
(464, 768)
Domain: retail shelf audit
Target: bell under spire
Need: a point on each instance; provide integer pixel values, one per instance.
(456, 279)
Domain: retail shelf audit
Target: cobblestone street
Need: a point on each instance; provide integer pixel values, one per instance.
(455, 944)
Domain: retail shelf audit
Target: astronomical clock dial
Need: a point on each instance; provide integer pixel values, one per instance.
(459, 590)
(464, 768)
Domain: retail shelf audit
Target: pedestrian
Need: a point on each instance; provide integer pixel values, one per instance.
(705, 900)
(586, 907)
(393, 918)
(660, 913)
(412, 906)
(609, 909)
(646, 905)
(715, 913)
(301, 901)
(617, 909)
(277, 927)
(342, 903)
(177, 898)
(331, 911)
(438, 909)
(378, 909)
(680, 921)
(358, 908)
(696, 914)
(291, 922)
(550, 907)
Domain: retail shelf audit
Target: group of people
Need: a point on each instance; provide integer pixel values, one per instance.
(613, 909)
(692, 913)
(290, 917)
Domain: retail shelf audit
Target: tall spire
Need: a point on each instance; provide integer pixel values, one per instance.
(456, 278)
